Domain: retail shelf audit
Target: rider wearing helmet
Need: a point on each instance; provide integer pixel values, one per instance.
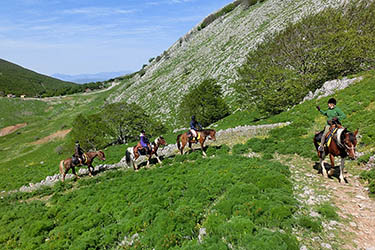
(144, 142)
(334, 116)
(194, 126)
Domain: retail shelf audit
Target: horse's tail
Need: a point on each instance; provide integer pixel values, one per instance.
(128, 157)
(178, 141)
(61, 167)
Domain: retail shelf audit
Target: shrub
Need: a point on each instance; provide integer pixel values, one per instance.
(308, 223)
(328, 211)
(205, 102)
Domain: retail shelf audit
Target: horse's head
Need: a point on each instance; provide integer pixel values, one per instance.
(350, 142)
(212, 134)
(101, 155)
(160, 141)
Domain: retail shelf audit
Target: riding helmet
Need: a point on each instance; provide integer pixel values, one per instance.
(193, 117)
(332, 100)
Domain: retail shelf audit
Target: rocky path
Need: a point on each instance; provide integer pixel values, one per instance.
(356, 227)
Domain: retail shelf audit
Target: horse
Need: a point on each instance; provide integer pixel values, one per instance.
(183, 139)
(133, 153)
(67, 164)
(342, 144)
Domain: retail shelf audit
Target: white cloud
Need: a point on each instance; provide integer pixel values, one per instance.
(97, 11)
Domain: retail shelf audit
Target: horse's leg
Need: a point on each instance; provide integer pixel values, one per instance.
(74, 172)
(148, 161)
(332, 170)
(90, 168)
(183, 144)
(157, 158)
(204, 153)
(324, 171)
(342, 165)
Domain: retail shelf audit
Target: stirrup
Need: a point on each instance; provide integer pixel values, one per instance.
(321, 148)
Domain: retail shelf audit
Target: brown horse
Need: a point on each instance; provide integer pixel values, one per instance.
(183, 139)
(67, 164)
(342, 144)
(133, 153)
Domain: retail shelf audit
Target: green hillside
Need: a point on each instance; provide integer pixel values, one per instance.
(17, 80)
(245, 196)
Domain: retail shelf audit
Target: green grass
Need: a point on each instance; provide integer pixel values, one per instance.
(231, 196)
(23, 162)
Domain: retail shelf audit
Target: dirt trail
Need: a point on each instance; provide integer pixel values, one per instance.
(355, 204)
(10, 129)
(357, 210)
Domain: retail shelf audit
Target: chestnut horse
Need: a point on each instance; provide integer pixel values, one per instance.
(342, 144)
(183, 139)
(133, 153)
(67, 164)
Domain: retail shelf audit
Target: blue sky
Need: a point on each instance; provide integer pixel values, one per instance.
(90, 36)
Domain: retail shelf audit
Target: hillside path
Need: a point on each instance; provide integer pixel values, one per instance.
(356, 208)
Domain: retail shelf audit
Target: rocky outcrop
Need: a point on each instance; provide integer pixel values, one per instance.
(330, 88)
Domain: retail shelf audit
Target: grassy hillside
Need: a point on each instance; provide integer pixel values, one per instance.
(22, 158)
(17, 80)
(216, 51)
(240, 197)
(239, 201)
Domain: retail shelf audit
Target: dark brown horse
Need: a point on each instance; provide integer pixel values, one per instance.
(342, 144)
(184, 138)
(133, 153)
(67, 164)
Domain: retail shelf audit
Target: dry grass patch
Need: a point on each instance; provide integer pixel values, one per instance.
(57, 135)
(10, 129)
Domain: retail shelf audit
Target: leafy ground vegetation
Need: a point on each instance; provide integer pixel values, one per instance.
(241, 202)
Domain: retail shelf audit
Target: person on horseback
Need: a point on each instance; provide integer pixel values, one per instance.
(145, 143)
(78, 152)
(194, 127)
(334, 116)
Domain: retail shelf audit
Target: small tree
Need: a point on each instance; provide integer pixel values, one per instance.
(124, 122)
(205, 102)
(90, 131)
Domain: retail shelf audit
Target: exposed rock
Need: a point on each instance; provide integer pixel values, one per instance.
(331, 87)
(202, 233)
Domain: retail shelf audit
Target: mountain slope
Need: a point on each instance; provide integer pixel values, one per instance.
(17, 80)
(213, 52)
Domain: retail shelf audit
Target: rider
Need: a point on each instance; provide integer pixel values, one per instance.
(78, 152)
(334, 116)
(194, 126)
(145, 142)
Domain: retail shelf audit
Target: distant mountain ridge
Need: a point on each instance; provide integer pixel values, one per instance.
(17, 80)
(86, 78)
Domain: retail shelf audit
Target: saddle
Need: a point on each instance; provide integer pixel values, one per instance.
(334, 133)
(79, 160)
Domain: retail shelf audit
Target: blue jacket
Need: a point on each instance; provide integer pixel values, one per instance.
(195, 125)
(144, 141)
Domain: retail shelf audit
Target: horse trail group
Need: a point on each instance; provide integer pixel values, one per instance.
(328, 88)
